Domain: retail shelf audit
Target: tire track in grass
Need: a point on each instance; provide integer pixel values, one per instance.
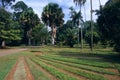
(20, 71)
(42, 70)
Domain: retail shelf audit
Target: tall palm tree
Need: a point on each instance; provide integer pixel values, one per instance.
(80, 3)
(75, 16)
(52, 16)
(91, 17)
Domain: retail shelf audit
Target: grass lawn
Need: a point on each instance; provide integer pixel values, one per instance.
(66, 63)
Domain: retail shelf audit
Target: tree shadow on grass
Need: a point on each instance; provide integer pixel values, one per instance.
(108, 57)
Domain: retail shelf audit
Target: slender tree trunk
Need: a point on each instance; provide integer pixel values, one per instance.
(3, 43)
(78, 36)
(81, 32)
(91, 26)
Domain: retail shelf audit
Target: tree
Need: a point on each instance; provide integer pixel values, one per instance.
(109, 23)
(19, 8)
(67, 34)
(52, 16)
(4, 3)
(29, 20)
(8, 30)
(80, 3)
(40, 34)
(76, 17)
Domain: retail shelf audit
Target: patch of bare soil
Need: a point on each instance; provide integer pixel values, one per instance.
(113, 70)
(4, 52)
(11, 73)
(20, 71)
(29, 75)
(111, 77)
(44, 71)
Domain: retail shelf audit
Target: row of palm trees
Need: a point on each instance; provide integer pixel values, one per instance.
(79, 3)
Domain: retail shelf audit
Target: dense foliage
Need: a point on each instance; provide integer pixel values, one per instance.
(67, 34)
(109, 23)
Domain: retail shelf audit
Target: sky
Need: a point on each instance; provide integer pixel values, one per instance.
(38, 6)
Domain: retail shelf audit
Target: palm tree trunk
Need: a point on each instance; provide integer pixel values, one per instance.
(53, 34)
(91, 26)
(81, 32)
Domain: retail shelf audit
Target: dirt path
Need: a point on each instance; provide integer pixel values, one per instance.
(4, 52)
(20, 71)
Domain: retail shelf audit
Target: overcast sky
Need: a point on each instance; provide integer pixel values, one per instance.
(38, 6)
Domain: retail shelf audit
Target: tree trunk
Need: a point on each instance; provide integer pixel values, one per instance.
(29, 36)
(81, 31)
(53, 34)
(29, 41)
(3, 44)
(91, 26)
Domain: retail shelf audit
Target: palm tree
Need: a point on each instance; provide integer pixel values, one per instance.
(52, 16)
(91, 17)
(80, 3)
(75, 16)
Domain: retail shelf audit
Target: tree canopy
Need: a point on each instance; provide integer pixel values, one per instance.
(109, 23)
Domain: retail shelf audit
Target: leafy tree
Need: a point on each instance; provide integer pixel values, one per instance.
(8, 30)
(109, 23)
(67, 35)
(18, 8)
(4, 3)
(87, 33)
(52, 16)
(40, 34)
(29, 20)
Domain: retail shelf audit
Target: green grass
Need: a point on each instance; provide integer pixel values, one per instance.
(90, 76)
(55, 72)
(83, 62)
(90, 68)
(72, 60)
(5, 66)
(7, 62)
(38, 75)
